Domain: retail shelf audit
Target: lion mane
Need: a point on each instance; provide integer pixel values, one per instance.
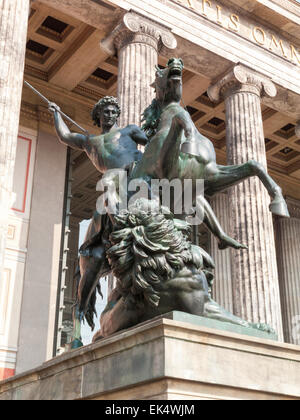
(149, 247)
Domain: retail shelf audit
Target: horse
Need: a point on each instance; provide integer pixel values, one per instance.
(158, 270)
(177, 150)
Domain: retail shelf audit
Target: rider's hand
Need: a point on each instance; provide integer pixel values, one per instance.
(53, 107)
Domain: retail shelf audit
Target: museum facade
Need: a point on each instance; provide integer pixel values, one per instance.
(241, 85)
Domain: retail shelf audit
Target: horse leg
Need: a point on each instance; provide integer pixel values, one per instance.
(228, 176)
(171, 149)
(213, 224)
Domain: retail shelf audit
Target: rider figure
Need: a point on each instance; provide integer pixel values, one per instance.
(114, 148)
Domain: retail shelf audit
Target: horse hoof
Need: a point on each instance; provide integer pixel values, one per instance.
(279, 207)
(229, 242)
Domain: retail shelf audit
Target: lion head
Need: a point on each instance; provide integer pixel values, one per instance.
(149, 246)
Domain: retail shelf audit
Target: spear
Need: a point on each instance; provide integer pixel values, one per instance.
(49, 103)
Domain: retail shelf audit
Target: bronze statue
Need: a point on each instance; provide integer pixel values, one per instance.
(178, 150)
(146, 247)
(159, 270)
(149, 281)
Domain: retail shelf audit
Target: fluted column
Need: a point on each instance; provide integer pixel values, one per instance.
(138, 41)
(298, 129)
(222, 288)
(13, 31)
(288, 254)
(256, 294)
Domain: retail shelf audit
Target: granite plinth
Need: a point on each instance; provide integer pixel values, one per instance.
(166, 359)
(219, 325)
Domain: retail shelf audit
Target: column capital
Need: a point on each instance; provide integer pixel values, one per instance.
(242, 79)
(298, 129)
(137, 28)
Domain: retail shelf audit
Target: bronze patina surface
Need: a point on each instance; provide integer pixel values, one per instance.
(146, 247)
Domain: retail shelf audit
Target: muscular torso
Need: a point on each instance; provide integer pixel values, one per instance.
(112, 150)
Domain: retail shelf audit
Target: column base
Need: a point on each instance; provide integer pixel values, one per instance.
(166, 359)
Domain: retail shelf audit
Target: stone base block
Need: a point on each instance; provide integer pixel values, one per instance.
(168, 360)
(219, 325)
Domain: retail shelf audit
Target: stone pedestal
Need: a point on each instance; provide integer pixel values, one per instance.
(288, 254)
(222, 288)
(256, 294)
(13, 31)
(166, 360)
(138, 41)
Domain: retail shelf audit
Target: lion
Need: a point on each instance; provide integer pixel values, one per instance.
(158, 270)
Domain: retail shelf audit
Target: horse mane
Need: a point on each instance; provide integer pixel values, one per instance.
(149, 248)
(151, 116)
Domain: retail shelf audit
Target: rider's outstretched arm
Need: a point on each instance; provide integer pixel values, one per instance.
(74, 140)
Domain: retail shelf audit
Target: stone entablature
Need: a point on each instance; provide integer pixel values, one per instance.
(251, 30)
(207, 47)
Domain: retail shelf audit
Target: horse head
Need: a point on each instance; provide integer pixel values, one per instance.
(168, 88)
(168, 82)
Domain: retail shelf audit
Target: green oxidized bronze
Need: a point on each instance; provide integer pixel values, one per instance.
(178, 150)
(147, 248)
(159, 270)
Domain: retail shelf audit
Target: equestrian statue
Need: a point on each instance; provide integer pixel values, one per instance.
(146, 246)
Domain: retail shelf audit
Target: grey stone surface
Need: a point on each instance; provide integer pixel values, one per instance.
(27, 392)
(288, 253)
(218, 325)
(129, 367)
(166, 359)
(222, 287)
(12, 57)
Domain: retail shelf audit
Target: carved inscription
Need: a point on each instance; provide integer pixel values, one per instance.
(233, 22)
